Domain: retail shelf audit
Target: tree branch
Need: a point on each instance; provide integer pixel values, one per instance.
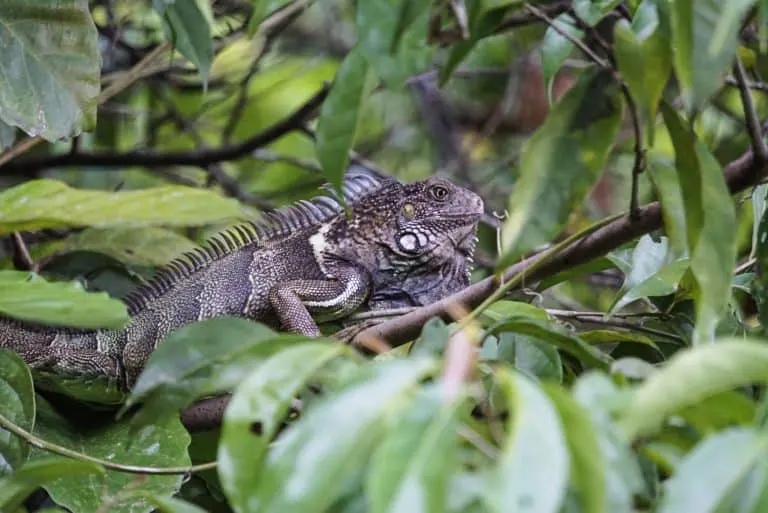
(145, 158)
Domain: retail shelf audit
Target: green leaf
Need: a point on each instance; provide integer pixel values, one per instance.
(201, 359)
(705, 37)
(394, 52)
(339, 116)
(706, 474)
(163, 444)
(412, 468)
(51, 67)
(555, 48)
(592, 11)
(146, 246)
(260, 10)
(644, 57)
(759, 196)
(710, 222)
(30, 298)
(534, 358)
(588, 466)
(666, 183)
(188, 25)
(761, 256)
(257, 409)
(17, 395)
(39, 204)
(542, 331)
(307, 469)
(601, 399)
(691, 376)
(482, 23)
(532, 470)
(15, 488)
(568, 150)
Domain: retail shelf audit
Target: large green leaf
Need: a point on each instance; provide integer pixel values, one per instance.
(532, 470)
(588, 465)
(29, 297)
(761, 256)
(188, 23)
(50, 67)
(644, 57)
(710, 224)
(412, 468)
(200, 359)
(306, 471)
(665, 181)
(691, 376)
(705, 37)
(145, 246)
(256, 411)
(555, 47)
(38, 204)
(339, 116)
(706, 474)
(17, 397)
(561, 162)
(163, 444)
(601, 399)
(394, 49)
(15, 488)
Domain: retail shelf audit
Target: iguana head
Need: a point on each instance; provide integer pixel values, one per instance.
(422, 238)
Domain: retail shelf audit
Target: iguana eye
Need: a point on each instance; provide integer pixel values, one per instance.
(408, 211)
(439, 192)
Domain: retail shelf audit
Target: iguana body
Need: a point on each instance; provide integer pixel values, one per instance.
(308, 262)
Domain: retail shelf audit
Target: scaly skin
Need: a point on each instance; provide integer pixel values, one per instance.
(401, 244)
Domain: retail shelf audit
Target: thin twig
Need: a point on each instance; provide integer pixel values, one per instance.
(44, 445)
(750, 114)
(604, 320)
(21, 253)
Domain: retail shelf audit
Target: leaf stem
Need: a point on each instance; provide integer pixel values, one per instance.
(35, 441)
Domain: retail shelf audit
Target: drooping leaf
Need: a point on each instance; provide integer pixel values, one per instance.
(14, 489)
(31, 298)
(703, 478)
(588, 466)
(592, 11)
(258, 406)
(760, 250)
(710, 224)
(51, 67)
(412, 468)
(163, 444)
(555, 47)
(568, 150)
(535, 358)
(644, 57)
(339, 116)
(165, 504)
(691, 376)
(532, 471)
(38, 204)
(705, 38)
(667, 185)
(17, 397)
(394, 51)
(307, 470)
(188, 24)
(201, 359)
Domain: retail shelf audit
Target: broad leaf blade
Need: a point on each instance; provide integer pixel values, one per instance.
(705, 476)
(412, 468)
(51, 67)
(532, 470)
(691, 376)
(307, 470)
(38, 204)
(15, 488)
(339, 115)
(17, 397)
(568, 150)
(30, 298)
(188, 26)
(255, 413)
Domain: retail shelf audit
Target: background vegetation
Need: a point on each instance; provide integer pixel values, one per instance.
(610, 355)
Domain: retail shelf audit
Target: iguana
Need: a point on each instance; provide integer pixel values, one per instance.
(396, 245)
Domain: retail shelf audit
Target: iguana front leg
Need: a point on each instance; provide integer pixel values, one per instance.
(295, 301)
